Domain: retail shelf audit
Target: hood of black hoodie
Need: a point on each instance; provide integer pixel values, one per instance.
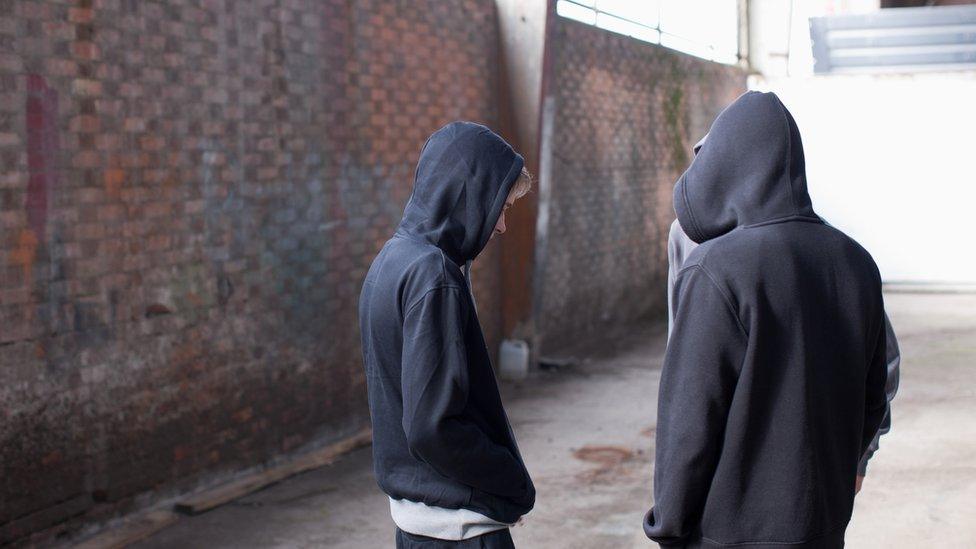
(750, 170)
(463, 178)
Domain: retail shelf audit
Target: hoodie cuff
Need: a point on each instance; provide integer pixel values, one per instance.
(651, 531)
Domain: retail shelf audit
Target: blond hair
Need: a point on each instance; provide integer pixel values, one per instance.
(522, 185)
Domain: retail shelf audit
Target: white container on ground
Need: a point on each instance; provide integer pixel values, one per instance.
(513, 360)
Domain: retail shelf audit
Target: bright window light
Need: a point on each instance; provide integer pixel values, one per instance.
(646, 12)
(705, 28)
(573, 10)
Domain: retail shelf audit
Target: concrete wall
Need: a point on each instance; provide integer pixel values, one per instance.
(522, 32)
(190, 196)
(619, 119)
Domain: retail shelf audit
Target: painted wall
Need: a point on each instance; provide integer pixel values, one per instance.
(619, 119)
(191, 194)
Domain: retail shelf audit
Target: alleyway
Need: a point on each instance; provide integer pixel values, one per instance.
(587, 435)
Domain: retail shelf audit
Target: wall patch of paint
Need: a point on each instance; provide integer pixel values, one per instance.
(42, 150)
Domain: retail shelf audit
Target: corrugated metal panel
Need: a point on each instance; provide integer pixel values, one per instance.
(896, 40)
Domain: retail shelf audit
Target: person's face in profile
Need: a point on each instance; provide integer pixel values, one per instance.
(500, 227)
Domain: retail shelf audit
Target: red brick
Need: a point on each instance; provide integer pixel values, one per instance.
(61, 67)
(193, 179)
(134, 124)
(11, 63)
(9, 139)
(87, 51)
(87, 159)
(113, 212)
(151, 143)
(80, 15)
(85, 123)
(597, 79)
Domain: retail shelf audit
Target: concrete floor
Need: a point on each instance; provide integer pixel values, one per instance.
(586, 432)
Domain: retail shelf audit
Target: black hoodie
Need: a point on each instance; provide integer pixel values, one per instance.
(774, 377)
(440, 434)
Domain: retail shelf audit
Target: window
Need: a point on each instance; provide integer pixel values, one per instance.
(705, 28)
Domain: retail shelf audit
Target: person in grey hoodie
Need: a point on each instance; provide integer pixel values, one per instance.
(773, 384)
(443, 448)
(680, 247)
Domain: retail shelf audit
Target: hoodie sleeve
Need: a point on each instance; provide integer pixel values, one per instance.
(435, 392)
(876, 398)
(701, 369)
(891, 388)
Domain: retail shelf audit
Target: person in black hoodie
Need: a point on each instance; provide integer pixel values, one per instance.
(443, 449)
(773, 382)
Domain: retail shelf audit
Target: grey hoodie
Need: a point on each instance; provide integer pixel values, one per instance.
(773, 383)
(440, 433)
(680, 247)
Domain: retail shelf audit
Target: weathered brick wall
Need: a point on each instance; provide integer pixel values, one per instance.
(191, 192)
(620, 118)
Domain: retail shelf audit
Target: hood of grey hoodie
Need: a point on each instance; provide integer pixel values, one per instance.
(750, 170)
(463, 178)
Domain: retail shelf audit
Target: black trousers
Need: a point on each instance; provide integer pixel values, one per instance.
(499, 539)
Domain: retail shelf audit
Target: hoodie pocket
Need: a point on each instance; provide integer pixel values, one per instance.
(500, 509)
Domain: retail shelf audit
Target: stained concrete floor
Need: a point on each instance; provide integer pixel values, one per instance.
(587, 431)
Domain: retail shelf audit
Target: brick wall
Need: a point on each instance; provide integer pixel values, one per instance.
(619, 119)
(191, 192)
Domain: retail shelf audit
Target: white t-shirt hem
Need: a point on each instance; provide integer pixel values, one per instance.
(421, 519)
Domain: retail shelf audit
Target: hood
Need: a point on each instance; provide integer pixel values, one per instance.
(463, 177)
(749, 170)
